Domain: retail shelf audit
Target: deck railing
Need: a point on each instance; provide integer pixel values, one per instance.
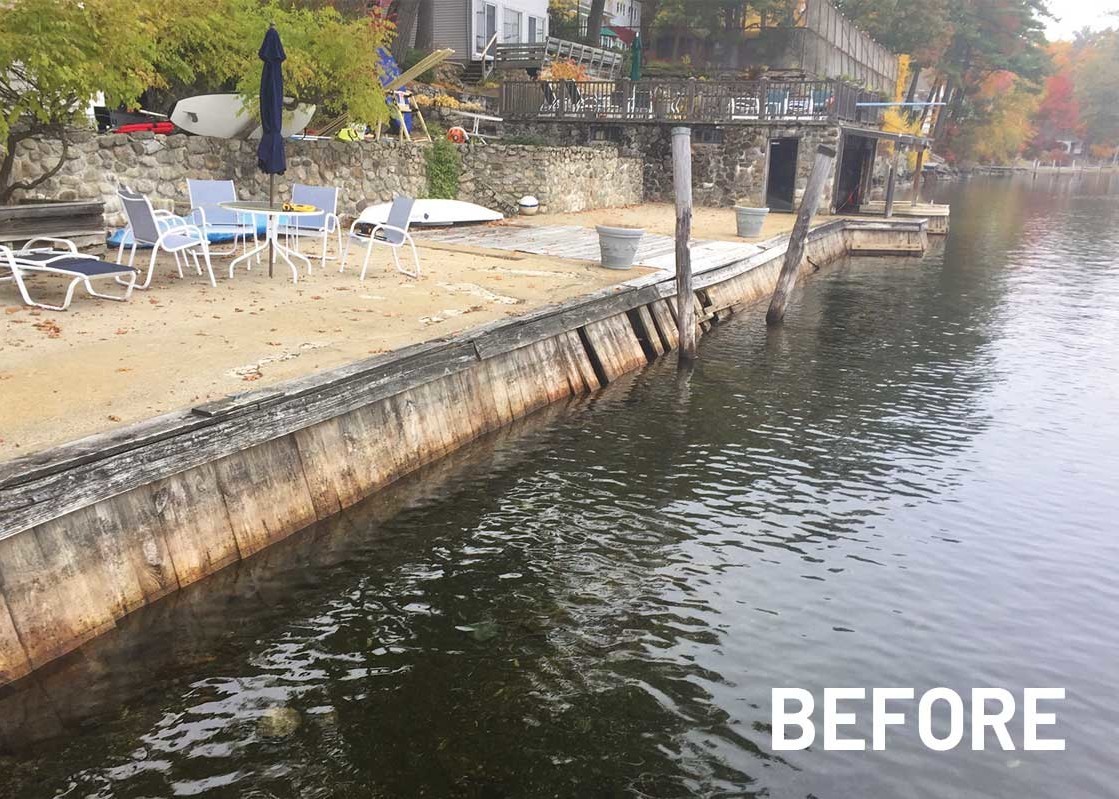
(688, 100)
(535, 55)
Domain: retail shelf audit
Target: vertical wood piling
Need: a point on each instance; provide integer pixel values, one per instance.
(821, 170)
(917, 176)
(682, 182)
(891, 181)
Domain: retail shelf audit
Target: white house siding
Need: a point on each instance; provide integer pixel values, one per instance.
(512, 18)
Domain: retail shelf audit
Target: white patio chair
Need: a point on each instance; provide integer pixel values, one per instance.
(206, 197)
(392, 233)
(319, 225)
(60, 257)
(161, 231)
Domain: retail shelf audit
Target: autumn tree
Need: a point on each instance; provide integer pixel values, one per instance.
(1097, 89)
(60, 54)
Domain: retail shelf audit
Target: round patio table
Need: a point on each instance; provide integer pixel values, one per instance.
(272, 213)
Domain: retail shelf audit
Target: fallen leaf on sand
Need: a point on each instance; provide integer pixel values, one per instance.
(122, 331)
(253, 376)
(49, 327)
(13, 309)
(113, 418)
(124, 369)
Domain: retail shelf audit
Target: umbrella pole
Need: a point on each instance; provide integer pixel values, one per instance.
(272, 239)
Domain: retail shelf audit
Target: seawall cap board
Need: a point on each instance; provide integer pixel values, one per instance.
(224, 116)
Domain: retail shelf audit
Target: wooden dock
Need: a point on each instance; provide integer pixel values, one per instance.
(581, 243)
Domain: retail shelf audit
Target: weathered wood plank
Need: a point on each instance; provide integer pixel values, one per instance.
(56, 587)
(266, 494)
(14, 662)
(616, 346)
(195, 522)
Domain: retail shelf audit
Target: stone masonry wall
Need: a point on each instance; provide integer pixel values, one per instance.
(495, 175)
(732, 167)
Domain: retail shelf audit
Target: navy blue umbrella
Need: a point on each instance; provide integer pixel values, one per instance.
(270, 155)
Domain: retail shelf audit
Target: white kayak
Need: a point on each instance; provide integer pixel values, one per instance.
(434, 212)
(224, 116)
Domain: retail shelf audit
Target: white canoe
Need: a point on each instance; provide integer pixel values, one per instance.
(434, 212)
(223, 116)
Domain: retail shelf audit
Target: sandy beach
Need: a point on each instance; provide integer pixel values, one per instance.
(102, 364)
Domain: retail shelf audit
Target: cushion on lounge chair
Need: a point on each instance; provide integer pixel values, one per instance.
(90, 267)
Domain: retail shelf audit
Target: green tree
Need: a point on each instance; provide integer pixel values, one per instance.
(61, 53)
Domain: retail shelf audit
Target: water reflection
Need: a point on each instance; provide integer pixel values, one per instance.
(909, 483)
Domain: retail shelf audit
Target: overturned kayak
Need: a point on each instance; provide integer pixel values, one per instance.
(434, 212)
(224, 116)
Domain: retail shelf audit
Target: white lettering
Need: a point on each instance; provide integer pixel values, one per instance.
(980, 718)
(880, 715)
(1032, 719)
(955, 719)
(801, 718)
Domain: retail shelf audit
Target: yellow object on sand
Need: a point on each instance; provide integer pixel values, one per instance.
(298, 207)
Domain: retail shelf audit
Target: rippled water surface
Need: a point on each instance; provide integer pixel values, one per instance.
(912, 483)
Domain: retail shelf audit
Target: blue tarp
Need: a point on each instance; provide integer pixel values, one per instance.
(117, 236)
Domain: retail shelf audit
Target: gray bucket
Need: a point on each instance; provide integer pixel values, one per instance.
(749, 221)
(618, 245)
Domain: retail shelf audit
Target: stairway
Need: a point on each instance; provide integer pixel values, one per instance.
(473, 73)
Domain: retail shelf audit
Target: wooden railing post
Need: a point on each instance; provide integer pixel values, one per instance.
(821, 170)
(685, 295)
(763, 96)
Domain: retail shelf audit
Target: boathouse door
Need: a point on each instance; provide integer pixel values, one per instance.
(856, 169)
(780, 184)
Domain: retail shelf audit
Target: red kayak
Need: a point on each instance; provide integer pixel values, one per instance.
(146, 127)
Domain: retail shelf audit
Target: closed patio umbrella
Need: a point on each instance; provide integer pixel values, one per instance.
(270, 154)
(635, 58)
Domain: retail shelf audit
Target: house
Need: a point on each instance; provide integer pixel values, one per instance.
(621, 20)
(468, 26)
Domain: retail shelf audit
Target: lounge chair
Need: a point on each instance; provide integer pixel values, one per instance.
(206, 197)
(60, 257)
(392, 233)
(320, 225)
(551, 101)
(161, 230)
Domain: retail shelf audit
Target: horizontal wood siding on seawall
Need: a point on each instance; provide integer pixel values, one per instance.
(94, 530)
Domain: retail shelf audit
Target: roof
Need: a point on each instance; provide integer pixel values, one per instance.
(624, 33)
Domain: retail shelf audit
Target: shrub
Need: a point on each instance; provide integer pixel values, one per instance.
(443, 167)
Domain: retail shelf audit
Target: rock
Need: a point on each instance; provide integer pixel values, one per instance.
(279, 722)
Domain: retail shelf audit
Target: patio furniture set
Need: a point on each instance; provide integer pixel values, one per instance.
(216, 216)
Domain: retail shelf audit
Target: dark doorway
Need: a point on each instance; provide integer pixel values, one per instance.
(780, 186)
(855, 172)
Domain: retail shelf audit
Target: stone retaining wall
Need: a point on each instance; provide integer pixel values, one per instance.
(728, 162)
(496, 175)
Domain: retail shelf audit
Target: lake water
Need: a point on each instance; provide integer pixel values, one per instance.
(914, 482)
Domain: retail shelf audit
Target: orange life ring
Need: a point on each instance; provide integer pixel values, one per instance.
(457, 135)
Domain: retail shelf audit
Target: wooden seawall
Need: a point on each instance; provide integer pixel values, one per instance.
(96, 529)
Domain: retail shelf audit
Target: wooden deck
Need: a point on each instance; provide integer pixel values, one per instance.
(581, 243)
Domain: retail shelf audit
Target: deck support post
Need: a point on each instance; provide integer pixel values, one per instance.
(895, 165)
(821, 171)
(685, 295)
(917, 176)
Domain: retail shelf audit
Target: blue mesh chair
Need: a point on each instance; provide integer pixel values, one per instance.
(392, 233)
(206, 197)
(318, 226)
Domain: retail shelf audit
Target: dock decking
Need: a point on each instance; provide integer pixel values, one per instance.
(581, 243)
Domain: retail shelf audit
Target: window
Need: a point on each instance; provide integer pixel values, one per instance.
(511, 22)
(486, 26)
(536, 29)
